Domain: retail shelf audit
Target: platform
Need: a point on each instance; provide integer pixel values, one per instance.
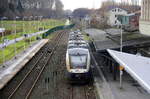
(137, 66)
(15, 65)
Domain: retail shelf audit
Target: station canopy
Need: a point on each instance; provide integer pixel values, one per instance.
(137, 66)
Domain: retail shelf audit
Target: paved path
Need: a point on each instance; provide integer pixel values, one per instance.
(20, 38)
(96, 34)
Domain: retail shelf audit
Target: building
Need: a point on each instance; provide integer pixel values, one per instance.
(145, 18)
(113, 16)
(130, 21)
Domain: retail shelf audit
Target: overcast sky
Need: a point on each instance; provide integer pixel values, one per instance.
(73, 4)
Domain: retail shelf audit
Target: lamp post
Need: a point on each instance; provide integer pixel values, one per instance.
(15, 49)
(30, 18)
(39, 19)
(35, 21)
(121, 68)
(24, 32)
(38, 22)
(121, 39)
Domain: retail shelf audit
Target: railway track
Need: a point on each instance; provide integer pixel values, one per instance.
(33, 75)
(52, 82)
(30, 76)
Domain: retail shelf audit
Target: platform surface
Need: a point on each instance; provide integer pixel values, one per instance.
(137, 66)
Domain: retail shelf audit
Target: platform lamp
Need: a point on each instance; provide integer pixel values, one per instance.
(24, 32)
(15, 49)
(38, 22)
(35, 17)
(40, 18)
(35, 22)
(30, 18)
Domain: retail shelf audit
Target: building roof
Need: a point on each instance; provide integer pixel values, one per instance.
(114, 7)
(127, 8)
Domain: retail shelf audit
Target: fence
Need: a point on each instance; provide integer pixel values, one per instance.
(57, 28)
(9, 51)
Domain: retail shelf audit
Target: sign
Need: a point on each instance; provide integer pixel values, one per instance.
(121, 68)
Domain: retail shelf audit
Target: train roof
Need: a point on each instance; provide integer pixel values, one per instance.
(73, 38)
(76, 51)
(77, 46)
(77, 41)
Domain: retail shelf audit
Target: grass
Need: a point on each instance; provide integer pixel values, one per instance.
(26, 27)
(9, 51)
(30, 27)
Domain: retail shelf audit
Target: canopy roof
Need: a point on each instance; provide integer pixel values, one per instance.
(137, 66)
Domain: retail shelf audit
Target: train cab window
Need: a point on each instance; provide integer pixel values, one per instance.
(78, 61)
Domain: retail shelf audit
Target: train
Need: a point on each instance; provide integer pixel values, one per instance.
(78, 59)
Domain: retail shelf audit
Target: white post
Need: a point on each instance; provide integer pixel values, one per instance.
(38, 22)
(121, 71)
(30, 30)
(121, 39)
(15, 37)
(35, 22)
(43, 24)
(24, 33)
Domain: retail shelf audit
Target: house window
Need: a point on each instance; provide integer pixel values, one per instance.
(115, 16)
(115, 21)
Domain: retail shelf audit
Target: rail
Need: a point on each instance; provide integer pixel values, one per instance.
(35, 71)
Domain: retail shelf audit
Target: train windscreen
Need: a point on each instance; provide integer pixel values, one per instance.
(78, 61)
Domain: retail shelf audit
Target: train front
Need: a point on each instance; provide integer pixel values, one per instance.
(78, 65)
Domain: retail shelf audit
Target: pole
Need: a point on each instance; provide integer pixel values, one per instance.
(24, 35)
(3, 49)
(121, 73)
(30, 30)
(35, 22)
(15, 37)
(38, 22)
(43, 23)
(121, 39)
(121, 70)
